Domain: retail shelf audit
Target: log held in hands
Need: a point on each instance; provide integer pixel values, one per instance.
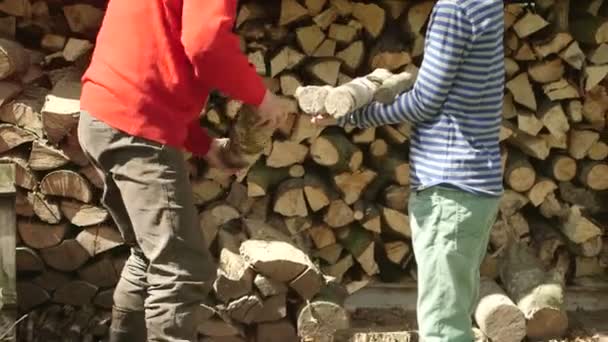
(380, 85)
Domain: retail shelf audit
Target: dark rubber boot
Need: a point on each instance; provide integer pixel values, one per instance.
(127, 326)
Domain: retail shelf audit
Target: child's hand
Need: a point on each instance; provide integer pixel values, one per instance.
(323, 120)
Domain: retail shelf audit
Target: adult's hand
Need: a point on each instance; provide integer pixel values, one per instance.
(273, 110)
(219, 157)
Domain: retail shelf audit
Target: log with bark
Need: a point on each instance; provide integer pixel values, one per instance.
(330, 204)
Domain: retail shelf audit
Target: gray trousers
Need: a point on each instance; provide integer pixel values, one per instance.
(148, 194)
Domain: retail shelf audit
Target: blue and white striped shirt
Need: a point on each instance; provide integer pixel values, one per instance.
(456, 103)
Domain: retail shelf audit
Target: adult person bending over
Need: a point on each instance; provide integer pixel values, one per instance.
(154, 63)
(456, 177)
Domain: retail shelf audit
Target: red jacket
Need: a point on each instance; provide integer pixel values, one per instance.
(155, 62)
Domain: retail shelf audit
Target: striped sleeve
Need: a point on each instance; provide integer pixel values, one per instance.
(449, 37)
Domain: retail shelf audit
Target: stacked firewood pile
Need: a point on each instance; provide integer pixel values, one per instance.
(320, 213)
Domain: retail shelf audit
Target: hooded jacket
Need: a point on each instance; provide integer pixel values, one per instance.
(155, 62)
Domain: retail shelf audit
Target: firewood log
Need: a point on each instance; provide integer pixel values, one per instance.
(101, 272)
(61, 109)
(46, 209)
(497, 316)
(12, 136)
(77, 293)
(66, 183)
(14, 60)
(67, 256)
(30, 295)
(538, 294)
(360, 243)
(40, 235)
(45, 157)
(319, 318)
(98, 239)
(27, 260)
(283, 262)
(234, 278)
(334, 150)
(24, 175)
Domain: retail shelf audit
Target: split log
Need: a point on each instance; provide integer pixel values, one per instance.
(283, 262)
(261, 178)
(96, 240)
(47, 210)
(342, 34)
(318, 319)
(326, 18)
(331, 254)
(396, 222)
(352, 56)
(214, 217)
(101, 272)
(325, 70)
(529, 24)
(14, 60)
(83, 215)
(289, 198)
(322, 235)
(417, 15)
(538, 294)
(76, 293)
(368, 216)
(291, 11)
(234, 277)
(27, 260)
(24, 175)
(397, 251)
(360, 243)
(353, 184)
(12, 136)
(24, 112)
(371, 16)
(50, 280)
(338, 214)
(45, 157)
(66, 183)
(334, 150)
(41, 235)
(62, 108)
(497, 316)
(318, 193)
(23, 207)
(309, 38)
(30, 296)
(578, 228)
(68, 256)
(286, 153)
(540, 190)
(522, 92)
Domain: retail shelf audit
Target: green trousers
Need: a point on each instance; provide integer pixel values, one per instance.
(450, 233)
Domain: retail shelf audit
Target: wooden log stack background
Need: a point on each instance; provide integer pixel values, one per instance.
(321, 213)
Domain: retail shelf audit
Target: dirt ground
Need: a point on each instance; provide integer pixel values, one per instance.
(395, 326)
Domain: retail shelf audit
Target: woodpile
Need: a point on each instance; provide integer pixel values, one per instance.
(319, 213)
